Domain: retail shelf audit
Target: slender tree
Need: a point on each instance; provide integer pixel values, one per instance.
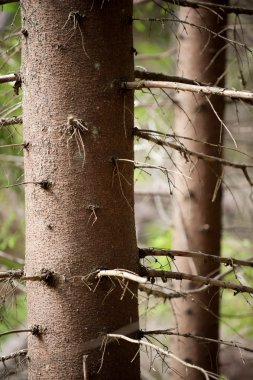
(79, 199)
(198, 198)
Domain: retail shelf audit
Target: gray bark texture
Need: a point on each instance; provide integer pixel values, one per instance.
(79, 201)
(198, 198)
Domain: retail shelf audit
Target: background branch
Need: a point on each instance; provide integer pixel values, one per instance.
(196, 337)
(217, 7)
(229, 261)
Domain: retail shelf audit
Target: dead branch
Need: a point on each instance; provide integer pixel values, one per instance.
(229, 261)
(216, 7)
(196, 337)
(11, 121)
(168, 294)
(14, 355)
(207, 90)
(159, 350)
(8, 77)
(18, 274)
(186, 152)
(176, 137)
(14, 332)
(148, 75)
(148, 276)
(164, 275)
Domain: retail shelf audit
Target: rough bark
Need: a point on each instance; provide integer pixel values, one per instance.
(197, 213)
(79, 203)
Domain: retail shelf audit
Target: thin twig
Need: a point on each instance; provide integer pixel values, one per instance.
(19, 274)
(148, 75)
(14, 332)
(168, 294)
(229, 261)
(199, 27)
(176, 137)
(12, 145)
(217, 7)
(160, 350)
(13, 355)
(196, 337)
(11, 121)
(186, 152)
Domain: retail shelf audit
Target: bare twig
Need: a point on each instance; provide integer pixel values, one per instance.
(143, 165)
(12, 146)
(217, 7)
(165, 294)
(19, 274)
(13, 355)
(196, 337)
(164, 275)
(199, 27)
(186, 152)
(11, 121)
(160, 350)
(229, 261)
(148, 75)
(207, 90)
(168, 294)
(14, 332)
(176, 137)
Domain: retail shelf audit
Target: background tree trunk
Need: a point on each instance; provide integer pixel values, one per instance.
(79, 202)
(198, 199)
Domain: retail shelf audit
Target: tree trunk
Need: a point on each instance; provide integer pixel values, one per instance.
(79, 200)
(198, 198)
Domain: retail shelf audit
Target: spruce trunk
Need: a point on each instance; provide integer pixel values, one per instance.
(198, 197)
(79, 199)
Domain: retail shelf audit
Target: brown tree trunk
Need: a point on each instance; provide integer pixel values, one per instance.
(198, 199)
(79, 201)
